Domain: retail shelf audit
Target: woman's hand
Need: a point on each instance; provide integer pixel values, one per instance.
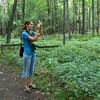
(39, 34)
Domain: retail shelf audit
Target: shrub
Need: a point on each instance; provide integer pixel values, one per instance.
(78, 71)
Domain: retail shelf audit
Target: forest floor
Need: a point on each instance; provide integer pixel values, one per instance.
(11, 87)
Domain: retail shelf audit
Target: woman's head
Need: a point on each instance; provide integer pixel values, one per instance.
(28, 25)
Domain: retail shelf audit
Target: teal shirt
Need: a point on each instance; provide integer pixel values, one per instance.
(27, 43)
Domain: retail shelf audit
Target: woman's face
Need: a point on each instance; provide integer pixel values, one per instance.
(30, 26)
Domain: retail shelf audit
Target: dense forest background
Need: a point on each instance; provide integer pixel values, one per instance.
(58, 16)
(63, 72)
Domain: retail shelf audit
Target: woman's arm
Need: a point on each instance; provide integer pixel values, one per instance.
(34, 38)
(38, 32)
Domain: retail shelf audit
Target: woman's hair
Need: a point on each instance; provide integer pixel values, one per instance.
(26, 23)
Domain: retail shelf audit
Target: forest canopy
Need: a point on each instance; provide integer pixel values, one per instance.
(58, 16)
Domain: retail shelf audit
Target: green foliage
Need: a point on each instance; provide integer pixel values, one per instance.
(10, 57)
(75, 66)
(70, 72)
(2, 40)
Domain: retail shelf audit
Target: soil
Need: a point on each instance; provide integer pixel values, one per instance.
(11, 87)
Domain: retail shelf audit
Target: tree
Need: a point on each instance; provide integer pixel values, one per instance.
(89, 17)
(93, 17)
(56, 16)
(23, 10)
(64, 20)
(83, 16)
(98, 15)
(3, 16)
(67, 18)
(10, 21)
(49, 17)
(74, 16)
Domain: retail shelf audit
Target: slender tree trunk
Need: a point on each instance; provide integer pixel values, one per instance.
(83, 16)
(73, 26)
(52, 10)
(10, 22)
(60, 18)
(67, 16)
(1, 28)
(67, 19)
(73, 30)
(98, 16)
(79, 25)
(89, 18)
(64, 21)
(93, 17)
(23, 10)
(49, 17)
(55, 15)
(74, 16)
(79, 18)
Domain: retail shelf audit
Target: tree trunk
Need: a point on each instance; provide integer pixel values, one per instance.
(89, 18)
(52, 7)
(79, 24)
(67, 19)
(1, 28)
(93, 17)
(10, 22)
(23, 10)
(55, 15)
(74, 16)
(83, 16)
(48, 5)
(98, 16)
(64, 21)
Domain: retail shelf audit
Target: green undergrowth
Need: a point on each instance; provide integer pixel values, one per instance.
(76, 67)
(70, 72)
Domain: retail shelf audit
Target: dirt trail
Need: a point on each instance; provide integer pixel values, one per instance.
(11, 89)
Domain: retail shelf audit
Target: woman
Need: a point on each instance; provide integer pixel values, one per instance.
(28, 36)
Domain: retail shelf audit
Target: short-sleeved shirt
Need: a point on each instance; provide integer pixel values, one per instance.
(27, 43)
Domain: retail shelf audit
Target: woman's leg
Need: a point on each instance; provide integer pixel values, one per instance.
(29, 81)
(26, 68)
(32, 69)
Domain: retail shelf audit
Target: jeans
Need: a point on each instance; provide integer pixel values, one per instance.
(28, 65)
